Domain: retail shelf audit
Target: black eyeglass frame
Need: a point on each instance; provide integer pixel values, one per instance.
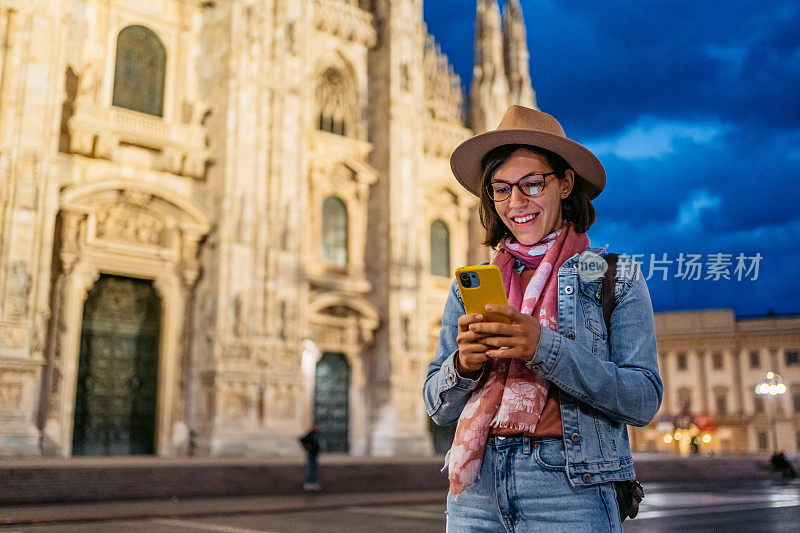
(490, 190)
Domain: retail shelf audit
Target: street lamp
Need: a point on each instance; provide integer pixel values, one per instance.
(772, 386)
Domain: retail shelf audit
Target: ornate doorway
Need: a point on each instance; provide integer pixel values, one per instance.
(115, 404)
(332, 401)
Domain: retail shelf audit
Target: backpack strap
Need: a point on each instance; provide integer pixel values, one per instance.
(629, 492)
(607, 290)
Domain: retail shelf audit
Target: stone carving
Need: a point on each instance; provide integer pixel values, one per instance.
(441, 137)
(237, 352)
(11, 396)
(343, 175)
(129, 223)
(344, 20)
(39, 332)
(280, 400)
(337, 97)
(291, 37)
(256, 22)
(12, 337)
(444, 98)
(104, 146)
(236, 405)
(279, 358)
(81, 142)
(288, 317)
(207, 314)
(194, 112)
(406, 332)
(27, 186)
(405, 77)
(18, 289)
(71, 223)
(194, 166)
(237, 316)
(190, 266)
(89, 83)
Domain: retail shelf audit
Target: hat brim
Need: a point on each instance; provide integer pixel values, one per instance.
(467, 157)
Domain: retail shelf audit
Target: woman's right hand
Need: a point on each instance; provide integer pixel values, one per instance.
(471, 352)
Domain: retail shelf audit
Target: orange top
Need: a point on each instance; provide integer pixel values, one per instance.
(549, 424)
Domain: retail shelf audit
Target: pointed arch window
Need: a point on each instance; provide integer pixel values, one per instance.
(334, 231)
(440, 249)
(336, 102)
(140, 71)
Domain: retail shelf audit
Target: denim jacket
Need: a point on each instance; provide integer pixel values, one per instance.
(604, 383)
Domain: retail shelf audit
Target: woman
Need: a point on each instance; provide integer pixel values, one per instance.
(542, 403)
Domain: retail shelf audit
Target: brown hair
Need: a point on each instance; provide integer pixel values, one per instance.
(576, 208)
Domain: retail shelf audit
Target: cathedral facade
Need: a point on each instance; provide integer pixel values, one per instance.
(223, 219)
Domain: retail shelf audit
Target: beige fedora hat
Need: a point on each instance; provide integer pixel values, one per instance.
(522, 125)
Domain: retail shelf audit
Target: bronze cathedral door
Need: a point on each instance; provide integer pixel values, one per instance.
(332, 401)
(115, 404)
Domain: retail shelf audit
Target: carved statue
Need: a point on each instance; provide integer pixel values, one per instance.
(19, 287)
(125, 222)
(89, 83)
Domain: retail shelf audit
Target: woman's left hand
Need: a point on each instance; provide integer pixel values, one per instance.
(516, 340)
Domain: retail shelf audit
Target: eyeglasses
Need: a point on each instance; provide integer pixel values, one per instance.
(531, 185)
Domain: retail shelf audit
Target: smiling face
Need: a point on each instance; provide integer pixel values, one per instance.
(530, 219)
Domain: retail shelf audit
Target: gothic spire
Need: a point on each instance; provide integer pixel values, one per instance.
(489, 92)
(515, 47)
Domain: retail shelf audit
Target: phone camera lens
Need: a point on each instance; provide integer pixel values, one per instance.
(465, 281)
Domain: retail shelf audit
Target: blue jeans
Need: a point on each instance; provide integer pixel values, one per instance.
(523, 486)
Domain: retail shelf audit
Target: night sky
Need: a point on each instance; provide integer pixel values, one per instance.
(694, 110)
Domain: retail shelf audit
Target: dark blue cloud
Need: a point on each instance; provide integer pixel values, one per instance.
(693, 109)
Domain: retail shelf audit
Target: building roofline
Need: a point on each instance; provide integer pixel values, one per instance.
(768, 314)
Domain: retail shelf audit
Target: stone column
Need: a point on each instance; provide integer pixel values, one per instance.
(28, 75)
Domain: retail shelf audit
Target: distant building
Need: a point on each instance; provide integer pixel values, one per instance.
(711, 363)
(222, 219)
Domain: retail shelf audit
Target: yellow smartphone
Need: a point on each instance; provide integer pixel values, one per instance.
(481, 285)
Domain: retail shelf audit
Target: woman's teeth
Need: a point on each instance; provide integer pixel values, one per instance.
(522, 220)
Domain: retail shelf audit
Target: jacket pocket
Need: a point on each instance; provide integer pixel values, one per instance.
(592, 310)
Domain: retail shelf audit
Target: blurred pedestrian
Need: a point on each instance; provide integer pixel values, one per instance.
(780, 464)
(311, 442)
(542, 403)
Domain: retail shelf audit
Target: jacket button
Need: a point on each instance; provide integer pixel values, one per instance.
(575, 438)
(570, 335)
(536, 366)
(586, 478)
(536, 446)
(597, 295)
(568, 289)
(451, 378)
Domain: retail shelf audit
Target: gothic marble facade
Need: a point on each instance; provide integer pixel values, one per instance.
(272, 176)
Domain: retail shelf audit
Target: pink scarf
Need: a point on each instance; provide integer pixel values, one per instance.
(513, 396)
